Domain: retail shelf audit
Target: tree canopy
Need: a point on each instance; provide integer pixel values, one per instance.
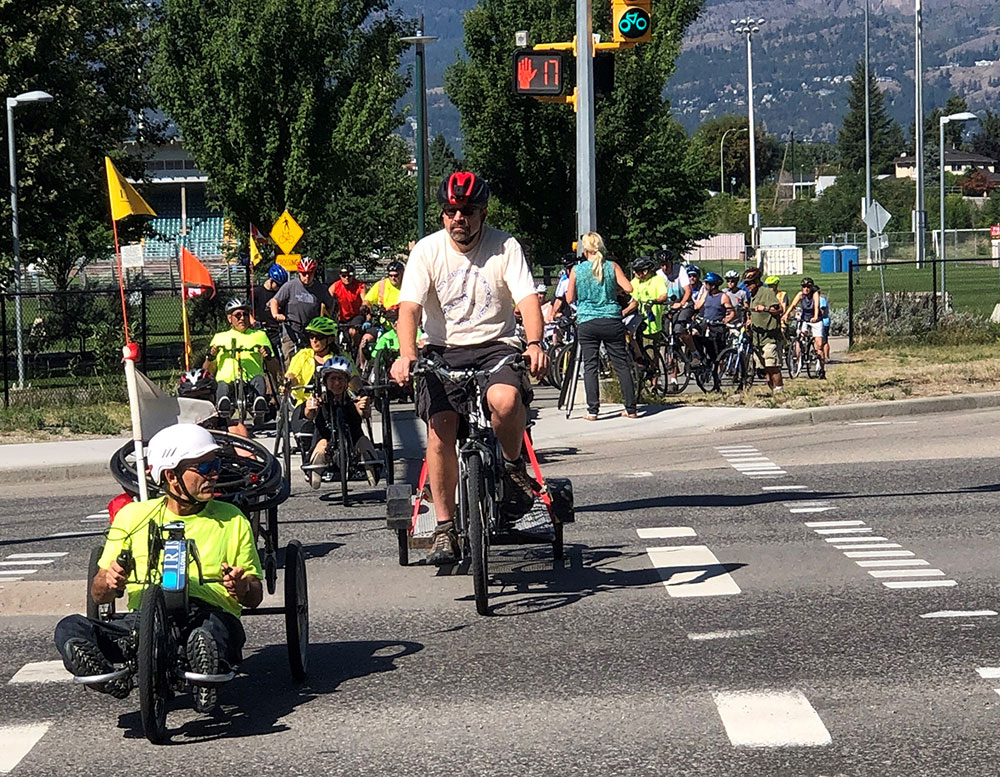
(886, 135)
(292, 105)
(707, 143)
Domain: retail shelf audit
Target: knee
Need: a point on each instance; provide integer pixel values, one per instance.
(504, 401)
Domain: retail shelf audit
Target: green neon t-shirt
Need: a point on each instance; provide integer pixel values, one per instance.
(252, 362)
(650, 290)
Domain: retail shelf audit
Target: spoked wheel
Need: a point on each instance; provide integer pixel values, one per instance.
(733, 372)
(478, 528)
(153, 665)
(387, 451)
(677, 371)
(344, 462)
(795, 359)
(812, 362)
(654, 374)
(296, 610)
(704, 374)
(283, 439)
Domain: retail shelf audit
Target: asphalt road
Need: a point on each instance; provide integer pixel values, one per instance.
(746, 642)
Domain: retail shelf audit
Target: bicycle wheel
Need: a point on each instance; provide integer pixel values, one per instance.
(811, 360)
(654, 380)
(795, 358)
(704, 374)
(478, 527)
(727, 370)
(677, 370)
(153, 665)
(343, 460)
(387, 451)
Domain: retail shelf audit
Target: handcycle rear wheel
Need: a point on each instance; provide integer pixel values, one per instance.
(296, 610)
(343, 461)
(387, 451)
(93, 608)
(153, 665)
(478, 531)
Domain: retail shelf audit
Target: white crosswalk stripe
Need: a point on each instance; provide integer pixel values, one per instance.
(770, 719)
(17, 743)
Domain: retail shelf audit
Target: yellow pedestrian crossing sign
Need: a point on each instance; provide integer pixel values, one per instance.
(289, 261)
(286, 232)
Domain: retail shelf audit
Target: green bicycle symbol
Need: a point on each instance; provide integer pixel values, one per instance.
(634, 23)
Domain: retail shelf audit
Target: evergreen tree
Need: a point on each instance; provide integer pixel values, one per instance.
(886, 135)
(442, 160)
(707, 143)
(987, 141)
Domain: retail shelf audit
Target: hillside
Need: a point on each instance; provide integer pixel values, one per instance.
(802, 59)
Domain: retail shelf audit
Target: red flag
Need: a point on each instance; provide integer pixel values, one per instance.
(194, 275)
(257, 236)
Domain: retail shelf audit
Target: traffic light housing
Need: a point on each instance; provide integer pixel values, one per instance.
(632, 20)
(538, 73)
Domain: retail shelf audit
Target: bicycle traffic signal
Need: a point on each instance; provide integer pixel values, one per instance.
(632, 20)
(538, 73)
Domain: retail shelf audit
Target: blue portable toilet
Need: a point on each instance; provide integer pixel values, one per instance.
(848, 256)
(828, 259)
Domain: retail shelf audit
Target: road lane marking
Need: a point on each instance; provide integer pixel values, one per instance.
(37, 555)
(779, 473)
(808, 503)
(796, 510)
(836, 540)
(17, 743)
(721, 448)
(42, 672)
(959, 614)
(825, 524)
(786, 488)
(878, 553)
(895, 562)
(851, 530)
(692, 570)
(750, 467)
(906, 573)
(665, 532)
(729, 634)
(770, 719)
(26, 562)
(7, 572)
(920, 584)
(989, 672)
(78, 533)
(638, 475)
(877, 546)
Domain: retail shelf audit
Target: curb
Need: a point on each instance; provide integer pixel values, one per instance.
(901, 407)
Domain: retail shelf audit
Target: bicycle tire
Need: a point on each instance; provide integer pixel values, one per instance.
(653, 373)
(674, 360)
(704, 375)
(296, 611)
(795, 359)
(478, 528)
(387, 444)
(811, 359)
(153, 665)
(344, 461)
(727, 369)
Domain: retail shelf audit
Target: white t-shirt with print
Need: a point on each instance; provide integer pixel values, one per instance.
(468, 299)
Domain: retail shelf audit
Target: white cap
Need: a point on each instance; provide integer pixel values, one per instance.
(541, 288)
(177, 443)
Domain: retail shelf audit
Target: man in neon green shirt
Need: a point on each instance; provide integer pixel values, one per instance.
(252, 347)
(183, 459)
(649, 293)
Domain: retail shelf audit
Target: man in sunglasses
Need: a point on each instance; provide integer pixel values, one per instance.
(253, 347)
(350, 295)
(464, 282)
(184, 463)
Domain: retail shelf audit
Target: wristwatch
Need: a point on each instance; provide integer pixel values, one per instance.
(534, 342)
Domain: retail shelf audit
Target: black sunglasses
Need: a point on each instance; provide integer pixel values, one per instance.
(466, 210)
(239, 314)
(205, 468)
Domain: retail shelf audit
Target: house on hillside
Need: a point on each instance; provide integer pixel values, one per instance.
(957, 162)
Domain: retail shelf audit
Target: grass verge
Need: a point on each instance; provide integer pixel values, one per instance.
(27, 424)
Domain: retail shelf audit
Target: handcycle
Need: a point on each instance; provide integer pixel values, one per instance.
(478, 520)
(244, 393)
(249, 478)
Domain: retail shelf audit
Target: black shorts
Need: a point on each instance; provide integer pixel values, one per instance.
(682, 318)
(435, 395)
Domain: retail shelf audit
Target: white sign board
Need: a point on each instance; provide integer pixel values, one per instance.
(877, 217)
(132, 256)
(782, 261)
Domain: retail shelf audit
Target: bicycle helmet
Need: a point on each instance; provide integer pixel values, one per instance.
(236, 303)
(278, 274)
(541, 288)
(713, 278)
(306, 265)
(772, 280)
(336, 364)
(463, 188)
(663, 255)
(395, 266)
(641, 263)
(196, 382)
(347, 269)
(732, 275)
(693, 270)
(176, 444)
(569, 260)
(322, 325)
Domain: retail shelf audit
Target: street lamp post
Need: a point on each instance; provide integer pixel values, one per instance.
(722, 179)
(420, 40)
(920, 215)
(749, 27)
(963, 116)
(12, 103)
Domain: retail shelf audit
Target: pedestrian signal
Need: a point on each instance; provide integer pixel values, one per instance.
(632, 20)
(538, 73)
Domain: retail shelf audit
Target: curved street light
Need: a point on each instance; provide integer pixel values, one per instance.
(962, 116)
(722, 179)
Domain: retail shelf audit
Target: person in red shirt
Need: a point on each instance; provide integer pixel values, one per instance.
(350, 293)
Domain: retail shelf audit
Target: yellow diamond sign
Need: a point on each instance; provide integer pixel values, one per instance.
(289, 261)
(286, 232)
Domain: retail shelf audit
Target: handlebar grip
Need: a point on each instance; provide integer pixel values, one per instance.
(126, 562)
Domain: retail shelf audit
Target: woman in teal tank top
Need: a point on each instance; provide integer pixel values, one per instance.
(594, 286)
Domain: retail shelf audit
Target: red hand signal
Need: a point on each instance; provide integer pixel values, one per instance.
(525, 73)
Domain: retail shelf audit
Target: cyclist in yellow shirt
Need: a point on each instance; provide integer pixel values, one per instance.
(252, 347)
(649, 294)
(384, 295)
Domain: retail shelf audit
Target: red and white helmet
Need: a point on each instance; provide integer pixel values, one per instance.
(306, 265)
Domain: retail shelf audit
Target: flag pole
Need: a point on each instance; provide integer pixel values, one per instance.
(130, 353)
(184, 320)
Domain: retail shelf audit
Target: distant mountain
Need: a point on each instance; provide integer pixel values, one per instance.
(803, 59)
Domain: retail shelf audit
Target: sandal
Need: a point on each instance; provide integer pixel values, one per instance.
(590, 417)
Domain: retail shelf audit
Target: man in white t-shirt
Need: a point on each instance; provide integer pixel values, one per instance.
(465, 281)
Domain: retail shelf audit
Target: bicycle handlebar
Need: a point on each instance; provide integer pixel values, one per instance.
(425, 366)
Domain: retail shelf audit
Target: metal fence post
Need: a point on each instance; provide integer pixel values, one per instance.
(850, 305)
(934, 293)
(142, 323)
(3, 349)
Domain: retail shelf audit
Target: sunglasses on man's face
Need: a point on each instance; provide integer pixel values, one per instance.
(466, 210)
(206, 468)
(239, 314)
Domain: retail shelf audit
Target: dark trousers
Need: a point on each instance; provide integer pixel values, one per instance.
(257, 383)
(106, 635)
(304, 430)
(610, 332)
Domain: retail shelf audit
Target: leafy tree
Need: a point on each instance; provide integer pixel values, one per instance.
(292, 105)
(953, 130)
(987, 140)
(648, 191)
(443, 160)
(886, 134)
(88, 55)
(705, 148)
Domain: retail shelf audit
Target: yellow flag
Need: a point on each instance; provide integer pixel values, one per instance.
(255, 257)
(125, 200)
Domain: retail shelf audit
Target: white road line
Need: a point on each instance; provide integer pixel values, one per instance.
(722, 448)
(920, 584)
(94, 520)
(5, 573)
(851, 530)
(692, 570)
(38, 555)
(17, 743)
(665, 532)
(638, 475)
(798, 510)
(27, 562)
(786, 488)
(766, 477)
(750, 467)
(878, 553)
(78, 533)
(869, 423)
(878, 546)
(746, 459)
(42, 672)
(895, 562)
(101, 514)
(838, 540)
(989, 672)
(10, 579)
(830, 524)
(808, 503)
(730, 634)
(906, 573)
(770, 719)
(959, 614)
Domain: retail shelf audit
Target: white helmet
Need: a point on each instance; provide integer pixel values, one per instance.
(336, 364)
(177, 443)
(541, 288)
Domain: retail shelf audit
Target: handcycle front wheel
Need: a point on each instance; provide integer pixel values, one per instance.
(478, 530)
(296, 610)
(387, 451)
(153, 665)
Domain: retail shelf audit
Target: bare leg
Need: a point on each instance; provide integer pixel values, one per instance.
(442, 462)
(508, 417)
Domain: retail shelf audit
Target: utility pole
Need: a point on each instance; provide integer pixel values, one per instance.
(749, 27)
(420, 40)
(868, 148)
(920, 215)
(586, 178)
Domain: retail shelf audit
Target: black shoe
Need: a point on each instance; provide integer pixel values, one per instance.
(260, 407)
(445, 549)
(85, 660)
(519, 489)
(203, 658)
(225, 407)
